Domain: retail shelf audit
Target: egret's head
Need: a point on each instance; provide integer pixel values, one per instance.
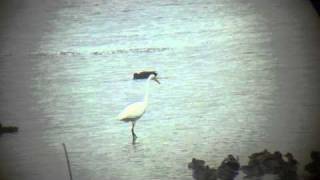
(153, 77)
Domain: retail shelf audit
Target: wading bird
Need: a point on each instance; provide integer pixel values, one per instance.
(134, 111)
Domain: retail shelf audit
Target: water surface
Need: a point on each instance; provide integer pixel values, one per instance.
(236, 77)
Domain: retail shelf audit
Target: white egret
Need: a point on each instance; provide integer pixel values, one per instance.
(134, 111)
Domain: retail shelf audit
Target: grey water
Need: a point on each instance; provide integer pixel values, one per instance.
(236, 77)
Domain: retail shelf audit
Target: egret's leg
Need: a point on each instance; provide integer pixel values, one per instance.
(132, 130)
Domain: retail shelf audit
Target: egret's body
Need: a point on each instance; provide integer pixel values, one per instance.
(134, 111)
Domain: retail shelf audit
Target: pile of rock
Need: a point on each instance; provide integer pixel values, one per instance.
(229, 168)
(226, 171)
(200, 171)
(261, 164)
(264, 162)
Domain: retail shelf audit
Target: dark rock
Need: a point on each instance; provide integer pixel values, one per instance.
(289, 168)
(8, 129)
(229, 168)
(316, 5)
(314, 167)
(196, 163)
(251, 171)
(258, 164)
(271, 163)
(144, 74)
(200, 171)
(261, 165)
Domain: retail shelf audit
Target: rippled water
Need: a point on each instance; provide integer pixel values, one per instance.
(236, 77)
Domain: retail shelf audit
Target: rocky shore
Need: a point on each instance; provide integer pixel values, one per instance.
(274, 165)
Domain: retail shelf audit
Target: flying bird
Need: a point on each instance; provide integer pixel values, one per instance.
(134, 111)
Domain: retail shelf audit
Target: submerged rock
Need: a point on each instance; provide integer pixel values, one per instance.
(144, 74)
(8, 129)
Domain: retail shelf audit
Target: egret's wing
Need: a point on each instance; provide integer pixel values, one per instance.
(132, 111)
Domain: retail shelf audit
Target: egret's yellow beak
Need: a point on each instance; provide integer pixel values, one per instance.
(156, 80)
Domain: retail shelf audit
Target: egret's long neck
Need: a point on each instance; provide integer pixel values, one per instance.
(146, 95)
